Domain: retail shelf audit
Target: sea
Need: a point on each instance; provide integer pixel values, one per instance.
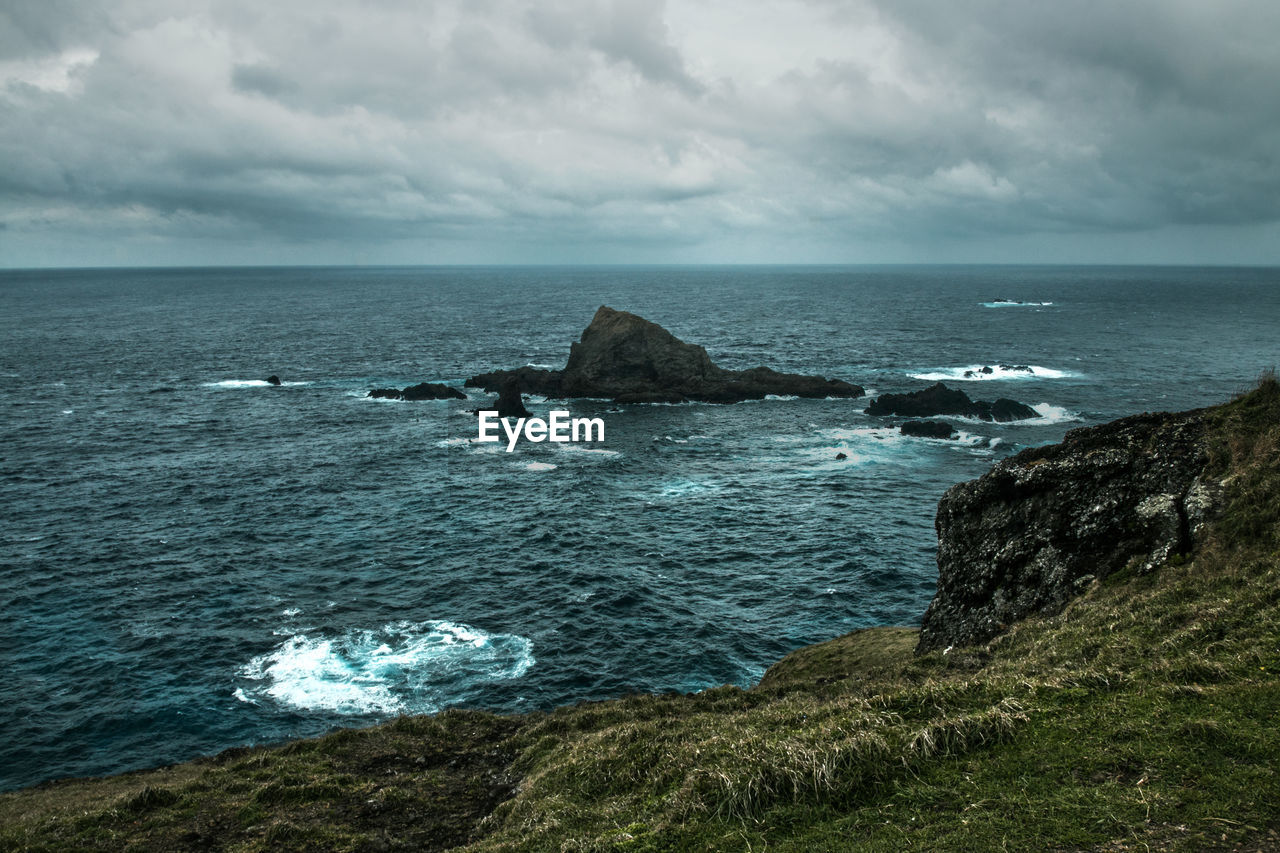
(193, 559)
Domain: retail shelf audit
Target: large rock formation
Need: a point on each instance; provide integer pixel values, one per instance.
(1042, 525)
(938, 399)
(631, 360)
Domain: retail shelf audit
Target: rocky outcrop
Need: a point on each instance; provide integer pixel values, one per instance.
(988, 370)
(1042, 525)
(938, 399)
(273, 380)
(628, 359)
(510, 404)
(927, 429)
(421, 391)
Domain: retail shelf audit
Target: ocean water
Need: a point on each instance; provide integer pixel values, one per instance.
(191, 559)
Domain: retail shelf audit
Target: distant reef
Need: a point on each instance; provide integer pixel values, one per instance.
(938, 399)
(628, 359)
(421, 391)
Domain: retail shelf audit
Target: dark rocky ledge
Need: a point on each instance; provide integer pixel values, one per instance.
(628, 359)
(1038, 528)
(421, 391)
(928, 429)
(938, 399)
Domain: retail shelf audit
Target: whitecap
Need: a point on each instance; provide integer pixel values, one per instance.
(598, 452)
(292, 611)
(248, 383)
(404, 667)
(537, 366)
(1052, 415)
(1010, 303)
(540, 466)
(686, 489)
(974, 373)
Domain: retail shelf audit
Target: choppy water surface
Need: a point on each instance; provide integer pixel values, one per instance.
(193, 559)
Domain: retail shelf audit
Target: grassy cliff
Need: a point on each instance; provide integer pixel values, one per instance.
(1144, 716)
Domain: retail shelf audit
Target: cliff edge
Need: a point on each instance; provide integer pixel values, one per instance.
(1037, 529)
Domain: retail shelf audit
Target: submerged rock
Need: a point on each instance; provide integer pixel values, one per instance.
(938, 399)
(928, 429)
(273, 380)
(1040, 526)
(421, 391)
(628, 359)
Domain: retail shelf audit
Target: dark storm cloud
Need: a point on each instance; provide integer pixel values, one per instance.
(814, 130)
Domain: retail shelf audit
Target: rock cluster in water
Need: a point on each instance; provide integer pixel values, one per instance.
(628, 359)
(1040, 526)
(938, 399)
(927, 429)
(421, 391)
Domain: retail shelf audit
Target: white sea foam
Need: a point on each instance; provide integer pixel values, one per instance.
(975, 374)
(248, 383)
(402, 667)
(541, 366)
(1052, 415)
(599, 453)
(1009, 303)
(540, 466)
(687, 489)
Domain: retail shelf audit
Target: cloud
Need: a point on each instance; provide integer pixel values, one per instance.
(610, 129)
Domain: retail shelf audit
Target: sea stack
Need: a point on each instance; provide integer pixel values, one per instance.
(628, 359)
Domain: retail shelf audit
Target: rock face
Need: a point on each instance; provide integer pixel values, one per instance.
(510, 404)
(927, 429)
(1040, 526)
(421, 391)
(938, 399)
(628, 359)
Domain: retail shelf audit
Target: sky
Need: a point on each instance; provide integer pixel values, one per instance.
(176, 132)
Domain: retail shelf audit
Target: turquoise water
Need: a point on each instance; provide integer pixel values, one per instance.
(193, 560)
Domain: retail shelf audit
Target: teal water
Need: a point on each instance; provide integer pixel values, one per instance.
(193, 560)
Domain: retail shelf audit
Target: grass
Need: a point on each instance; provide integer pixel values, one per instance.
(1143, 717)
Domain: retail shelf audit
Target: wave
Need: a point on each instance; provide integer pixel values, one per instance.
(686, 489)
(1011, 303)
(597, 452)
(1052, 415)
(404, 667)
(985, 372)
(540, 466)
(249, 383)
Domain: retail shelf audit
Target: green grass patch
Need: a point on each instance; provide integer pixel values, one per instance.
(1144, 716)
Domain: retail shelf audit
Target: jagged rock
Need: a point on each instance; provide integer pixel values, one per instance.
(1040, 526)
(273, 380)
(840, 456)
(938, 399)
(628, 359)
(421, 391)
(510, 404)
(927, 429)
